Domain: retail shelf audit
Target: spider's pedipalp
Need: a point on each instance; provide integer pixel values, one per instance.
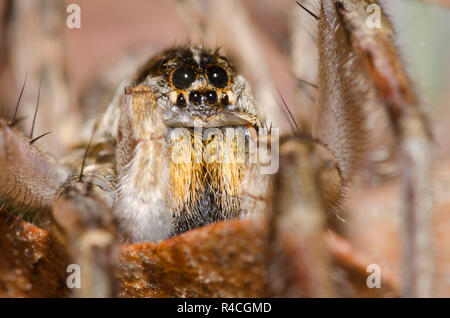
(142, 169)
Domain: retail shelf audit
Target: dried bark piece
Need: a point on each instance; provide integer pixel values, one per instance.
(220, 260)
(31, 265)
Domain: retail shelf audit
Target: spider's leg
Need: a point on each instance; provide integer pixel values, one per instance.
(83, 219)
(299, 262)
(342, 92)
(375, 47)
(357, 61)
(78, 212)
(29, 179)
(83, 222)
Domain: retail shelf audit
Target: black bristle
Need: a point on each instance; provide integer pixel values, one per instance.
(15, 121)
(39, 137)
(315, 16)
(35, 111)
(294, 126)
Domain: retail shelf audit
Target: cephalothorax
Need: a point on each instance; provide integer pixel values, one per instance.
(181, 88)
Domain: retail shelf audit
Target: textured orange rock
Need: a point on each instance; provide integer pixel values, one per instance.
(221, 260)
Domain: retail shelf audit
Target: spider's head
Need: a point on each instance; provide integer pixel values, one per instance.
(195, 85)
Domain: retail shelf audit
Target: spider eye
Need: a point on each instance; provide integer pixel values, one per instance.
(183, 77)
(181, 101)
(217, 76)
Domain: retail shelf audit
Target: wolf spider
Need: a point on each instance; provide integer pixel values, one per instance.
(121, 188)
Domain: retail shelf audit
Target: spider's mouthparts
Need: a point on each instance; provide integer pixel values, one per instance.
(217, 120)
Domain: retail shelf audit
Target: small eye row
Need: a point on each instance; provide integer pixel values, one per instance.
(197, 97)
(185, 75)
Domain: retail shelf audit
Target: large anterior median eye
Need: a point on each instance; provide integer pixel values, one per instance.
(183, 77)
(217, 76)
